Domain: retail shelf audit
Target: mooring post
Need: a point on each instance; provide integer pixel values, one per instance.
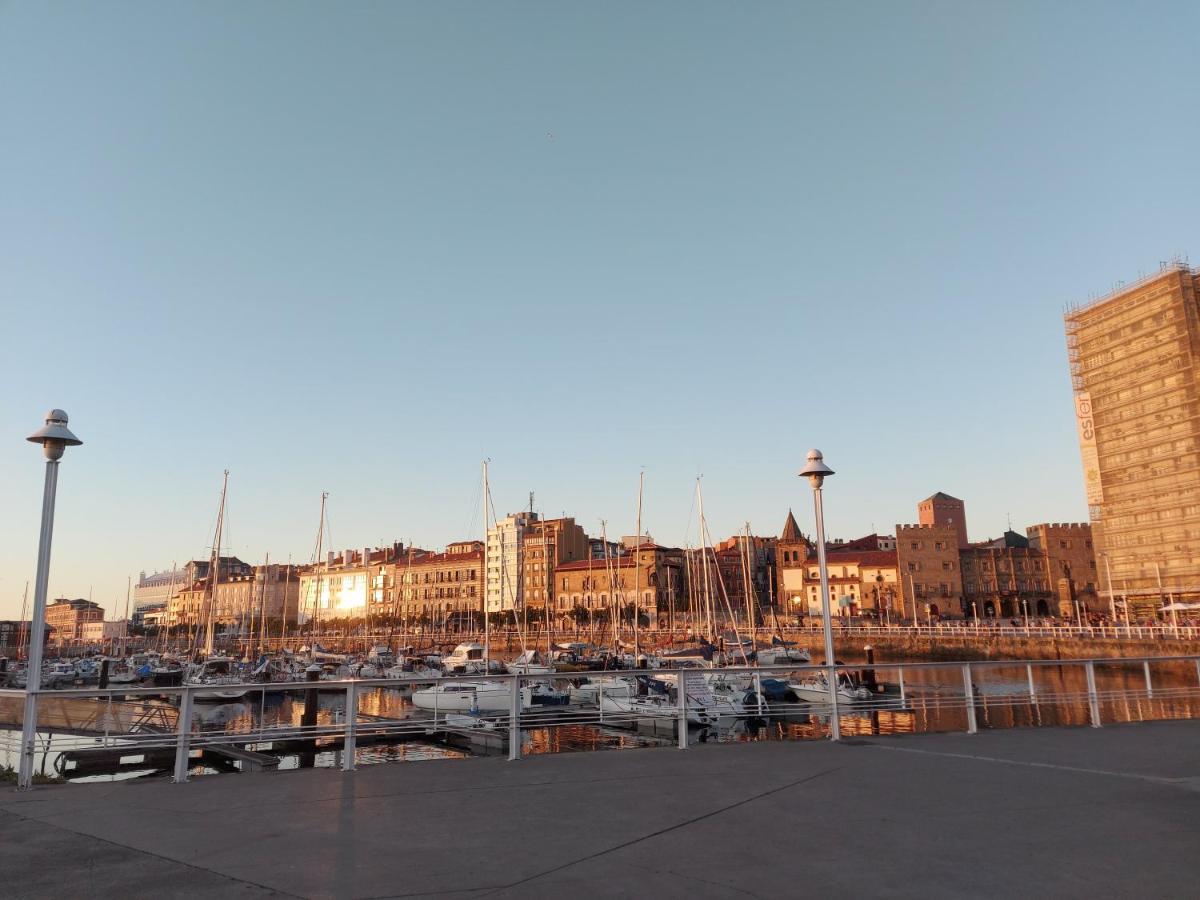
(350, 744)
(184, 728)
(514, 720)
(1093, 698)
(681, 706)
(969, 690)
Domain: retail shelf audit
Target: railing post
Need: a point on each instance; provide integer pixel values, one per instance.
(350, 743)
(28, 747)
(1032, 691)
(904, 696)
(514, 720)
(758, 697)
(1093, 698)
(184, 728)
(681, 704)
(969, 690)
(1149, 683)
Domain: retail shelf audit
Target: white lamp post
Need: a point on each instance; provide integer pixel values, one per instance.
(815, 471)
(54, 437)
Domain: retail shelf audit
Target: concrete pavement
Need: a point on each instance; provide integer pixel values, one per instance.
(1047, 812)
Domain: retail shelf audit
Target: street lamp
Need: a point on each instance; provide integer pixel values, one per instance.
(815, 471)
(54, 437)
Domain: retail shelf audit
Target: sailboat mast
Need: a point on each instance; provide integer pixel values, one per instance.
(487, 631)
(21, 633)
(614, 610)
(708, 606)
(316, 623)
(125, 630)
(214, 571)
(637, 569)
(262, 605)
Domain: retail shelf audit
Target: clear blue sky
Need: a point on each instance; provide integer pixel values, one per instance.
(358, 247)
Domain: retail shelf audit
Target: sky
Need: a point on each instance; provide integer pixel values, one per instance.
(359, 248)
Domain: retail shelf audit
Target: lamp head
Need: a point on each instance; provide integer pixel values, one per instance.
(54, 436)
(815, 469)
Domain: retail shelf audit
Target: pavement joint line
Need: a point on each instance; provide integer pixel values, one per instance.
(668, 829)
(164, 858)
(1185, 783)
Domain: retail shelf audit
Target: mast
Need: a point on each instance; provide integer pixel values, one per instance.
(747, 585)
(487, 631)
(214, 571)
(637, 569)
(21, 636)
(614, 610)
(262, 605)
(704, 564)
(283, 614)
(125, 631)
(316, 623)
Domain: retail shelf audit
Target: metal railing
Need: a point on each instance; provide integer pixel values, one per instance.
(128, 722)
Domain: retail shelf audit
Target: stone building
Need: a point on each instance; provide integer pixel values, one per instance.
(351, 584)
(1135, 371)
(928, 563)
(791, 556)
(597, 586)
(1070, 565)
(67, 618)
(1005, 578)
(860, 582)
(942, 509)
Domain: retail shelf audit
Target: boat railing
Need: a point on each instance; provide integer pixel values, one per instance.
(180, 728)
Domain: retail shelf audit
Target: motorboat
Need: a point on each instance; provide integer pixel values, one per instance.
(814, 688)
(219, 673)
(381, 658)
(469, 659)
(590, 689)
(470, 696)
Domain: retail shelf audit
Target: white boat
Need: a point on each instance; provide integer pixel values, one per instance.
(654, 706)
(815, 689)
(470, 659)
(780, 656)
(528, 663)
(588, 690)
(412, 671)
(219, 673)
(470, 696)
(381, 658)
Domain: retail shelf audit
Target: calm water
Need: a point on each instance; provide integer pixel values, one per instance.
(932, 703)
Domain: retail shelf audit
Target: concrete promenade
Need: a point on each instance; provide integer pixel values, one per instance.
(1035, 812)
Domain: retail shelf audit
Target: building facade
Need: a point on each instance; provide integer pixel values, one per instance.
(1069, 558)
(439, 590)
(67, 618)
(153, 592)
(1135, 371)
(942, 509)
(504, 581)
(548, 544)
(650, 577)
(928, 565)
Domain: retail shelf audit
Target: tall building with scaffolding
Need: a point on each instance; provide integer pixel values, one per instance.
(1135, 370)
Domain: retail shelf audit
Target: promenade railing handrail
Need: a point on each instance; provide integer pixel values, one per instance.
(509, 723)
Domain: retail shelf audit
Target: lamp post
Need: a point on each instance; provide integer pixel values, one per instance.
(54, 437)
(815, 471)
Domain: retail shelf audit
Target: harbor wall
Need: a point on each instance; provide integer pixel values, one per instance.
(935, 648)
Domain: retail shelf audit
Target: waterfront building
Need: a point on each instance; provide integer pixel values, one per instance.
(101, 632)
(155, 591)
(1135, 371)
(740, 565)
(589, 589)
(791, 555)
(67, 618)
(927, 558)
(352, 584)
(270, 591)
(1069, 559)
(549, 543)
(942, 509)
(441, 590)
(1005, 578)
(504, 582)
(861, 582)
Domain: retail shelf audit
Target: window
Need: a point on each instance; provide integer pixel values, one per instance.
(912, 567)
(946, 566)
(939, 545)
(915, 545)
